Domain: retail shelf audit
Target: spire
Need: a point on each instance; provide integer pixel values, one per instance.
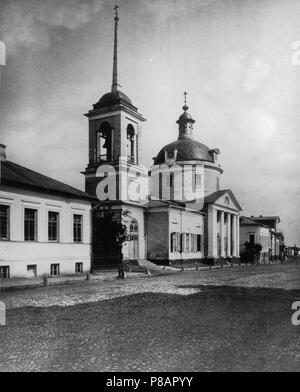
(185, 122)
(115, 84)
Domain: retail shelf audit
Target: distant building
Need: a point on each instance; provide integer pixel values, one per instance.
(293, 251)
(276, 238)
(254, 232)
(44, 224)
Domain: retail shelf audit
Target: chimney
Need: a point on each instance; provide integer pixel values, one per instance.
(2, 153)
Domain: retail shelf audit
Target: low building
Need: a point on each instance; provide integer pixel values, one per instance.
(280, 246)
(175, 233)
(256, 233)
(45, 225)
(293, 251)
(272, 222)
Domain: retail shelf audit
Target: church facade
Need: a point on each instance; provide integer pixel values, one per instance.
(178, 211)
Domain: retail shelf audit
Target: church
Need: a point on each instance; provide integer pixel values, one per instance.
(181, 213)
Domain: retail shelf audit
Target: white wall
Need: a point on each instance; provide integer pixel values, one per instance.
(138, 214)
(181, 221)
(17, 253)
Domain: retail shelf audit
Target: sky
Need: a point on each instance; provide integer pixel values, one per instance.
(238, 61)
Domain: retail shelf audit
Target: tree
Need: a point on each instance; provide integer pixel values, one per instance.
(110, 233)
(252, 252)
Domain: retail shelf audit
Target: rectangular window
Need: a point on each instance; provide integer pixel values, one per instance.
(4, 222)
(187, 242)
(182, 244)
(53, 226)
(77, 228)
(30, 225)
(198, 242)
(54, 271)
(178, 236)
(78, 268)
(174, 242)
(4, 272)
(193, 248)
(197, 181)
(252, 239)
(31, 271)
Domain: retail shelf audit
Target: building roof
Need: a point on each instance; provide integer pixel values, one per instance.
(18, 176)
(187, 150)
(250, 222)
(212, 198)
(172, 203)
(112, 99)
(271, 218)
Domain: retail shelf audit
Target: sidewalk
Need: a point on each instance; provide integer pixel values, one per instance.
(18, 283)
(105, 275)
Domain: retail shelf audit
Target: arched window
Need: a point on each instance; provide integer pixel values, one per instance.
(130, 143)
(134, 227)
(227, 200)
(104, 145)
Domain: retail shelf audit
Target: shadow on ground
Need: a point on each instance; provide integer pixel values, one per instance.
(218, 329)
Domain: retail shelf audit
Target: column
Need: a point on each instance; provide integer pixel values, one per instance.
(234, 236)
(228, 234)
(222, 234)
(212, 233)
(238, 236)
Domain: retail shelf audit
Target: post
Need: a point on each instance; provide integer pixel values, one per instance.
(121, 265)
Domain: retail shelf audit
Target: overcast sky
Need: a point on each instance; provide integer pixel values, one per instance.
(233, 57)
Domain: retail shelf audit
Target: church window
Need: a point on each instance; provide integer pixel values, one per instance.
(175, 242)
(188, 242)
(192, 242)
(198, 242)
(104, 143)
(171, 180)
(218, 183)
(227, 200)
(130, 143)
(134, 227)
(197, 181)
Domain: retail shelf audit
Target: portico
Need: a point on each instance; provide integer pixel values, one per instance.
(223, 214)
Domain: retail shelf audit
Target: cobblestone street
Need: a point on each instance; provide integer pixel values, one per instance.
(228, 319)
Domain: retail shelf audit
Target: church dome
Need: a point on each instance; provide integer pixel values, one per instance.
(187, 150)
(113, 98)
(185, 117)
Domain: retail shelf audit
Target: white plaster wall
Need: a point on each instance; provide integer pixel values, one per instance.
(181, 221)
(138, 214)
(17, 253)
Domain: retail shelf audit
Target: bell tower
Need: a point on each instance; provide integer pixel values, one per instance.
(114, 129)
